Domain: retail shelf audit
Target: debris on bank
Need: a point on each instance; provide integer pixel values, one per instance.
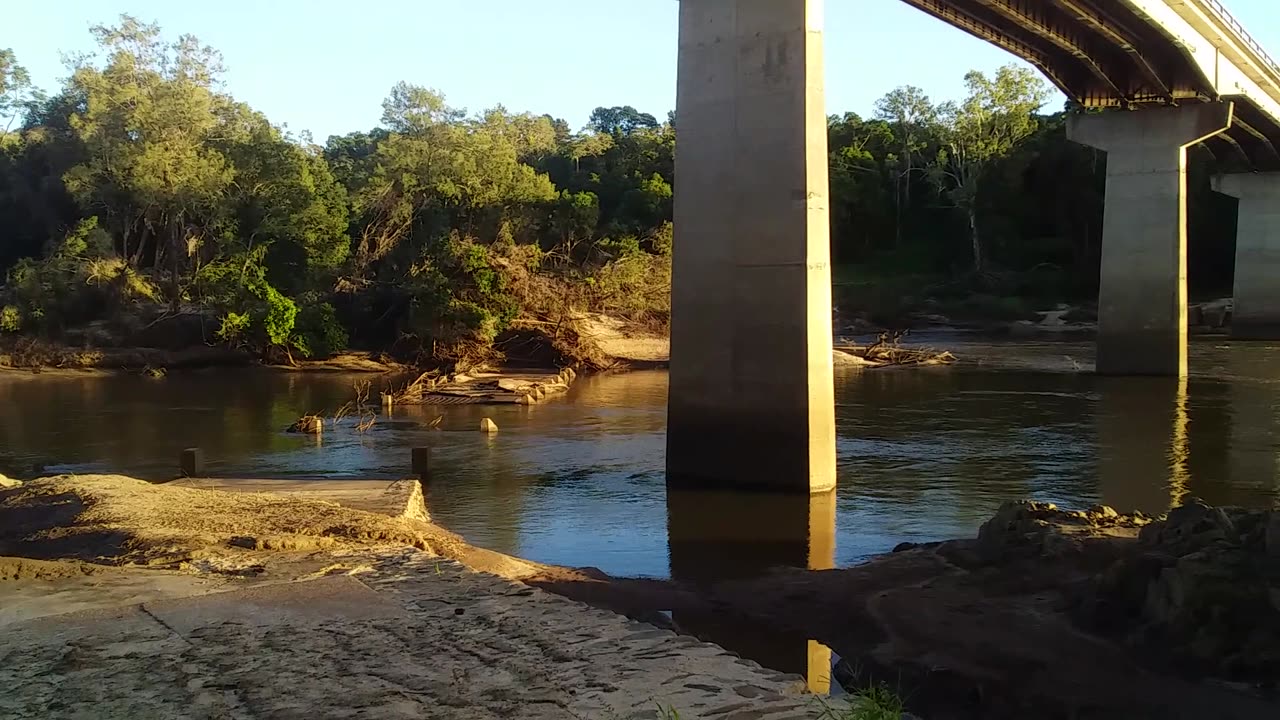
(484, 388)
(887, 351)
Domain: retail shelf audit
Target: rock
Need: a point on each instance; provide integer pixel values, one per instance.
(1023, 524)
(1223, 522)
(1104, 511)
(1187, 515)
(6, 483)
(488, 426)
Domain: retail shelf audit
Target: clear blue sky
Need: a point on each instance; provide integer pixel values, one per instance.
(325, 66)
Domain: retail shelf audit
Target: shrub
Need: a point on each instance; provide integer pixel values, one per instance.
(318, 331)
(10, 319)
(80, 281)
(253, 312)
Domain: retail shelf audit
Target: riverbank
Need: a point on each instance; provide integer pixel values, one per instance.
(1048, 614)
(201, 603)
(57, 360)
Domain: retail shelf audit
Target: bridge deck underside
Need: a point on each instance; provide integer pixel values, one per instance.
(1101, 54)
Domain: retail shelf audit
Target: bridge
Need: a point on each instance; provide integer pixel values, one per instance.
(751, 397)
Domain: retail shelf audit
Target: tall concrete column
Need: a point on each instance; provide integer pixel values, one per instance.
(1256, 313)
(751, 402)
(1142, 298)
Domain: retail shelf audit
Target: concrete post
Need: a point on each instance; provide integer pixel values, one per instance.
(1256, 313)
(420, 462)
(751, 401)
(191, 462)
(1142, 298)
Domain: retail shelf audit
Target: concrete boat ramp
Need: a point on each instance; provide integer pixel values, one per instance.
(381, 632)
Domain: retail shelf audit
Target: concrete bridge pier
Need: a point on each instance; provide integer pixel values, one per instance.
(1257, 285)
(1142, 299)
(751, 401)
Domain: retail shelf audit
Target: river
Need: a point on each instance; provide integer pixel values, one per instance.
(924, 453)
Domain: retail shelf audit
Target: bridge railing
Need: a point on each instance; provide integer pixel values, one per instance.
(1244, 35)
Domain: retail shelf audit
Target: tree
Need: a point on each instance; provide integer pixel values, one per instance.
(284, 197)
(148, 121)
(997, 115)
(858, 188)
(620, 120)
(912, 116)
(16, 91)
(438, 169)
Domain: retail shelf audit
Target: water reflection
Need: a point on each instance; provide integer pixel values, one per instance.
(1254, 400)
(715, 537)
(1143, 439)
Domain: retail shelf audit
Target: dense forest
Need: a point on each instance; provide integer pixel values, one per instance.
(141, 191)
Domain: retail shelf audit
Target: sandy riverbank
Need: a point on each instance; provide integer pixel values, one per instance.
(186, 602)
(1046, 614)
(68, 362)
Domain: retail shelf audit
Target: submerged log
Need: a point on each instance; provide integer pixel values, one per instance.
(308, 424)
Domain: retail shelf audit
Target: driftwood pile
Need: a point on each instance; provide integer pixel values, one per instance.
(434, 389)
(887, 350)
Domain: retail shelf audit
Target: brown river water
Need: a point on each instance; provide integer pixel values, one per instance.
(924, 453)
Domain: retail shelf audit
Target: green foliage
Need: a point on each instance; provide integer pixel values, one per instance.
(620, 120)
(253, 312)
(465, 297)
(77, 282)
(662, 239)
(234, 326)
(876, 702)
(987, 127)
(319, 333)
(140, 181)
(16, 91)
(10, 319)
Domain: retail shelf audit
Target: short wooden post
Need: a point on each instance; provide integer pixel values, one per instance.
(387, 401)
(421, 462)
(192, 462)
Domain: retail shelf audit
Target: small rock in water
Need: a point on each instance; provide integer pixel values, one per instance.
(1104, 511)
(488, 426)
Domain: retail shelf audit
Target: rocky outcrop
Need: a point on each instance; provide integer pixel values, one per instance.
(1049, 614)
(1201, 586)
(6, 483)
(1197, 588)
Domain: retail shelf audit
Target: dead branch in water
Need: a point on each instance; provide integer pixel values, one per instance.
(361, 402)
(887, 350)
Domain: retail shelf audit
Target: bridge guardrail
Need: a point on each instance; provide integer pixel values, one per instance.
(1244, 35)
